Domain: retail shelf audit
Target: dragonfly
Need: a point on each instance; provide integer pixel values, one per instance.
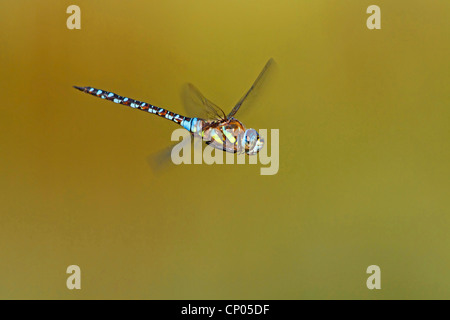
(219, 130)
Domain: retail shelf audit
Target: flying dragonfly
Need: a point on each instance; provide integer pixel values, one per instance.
(221, 131)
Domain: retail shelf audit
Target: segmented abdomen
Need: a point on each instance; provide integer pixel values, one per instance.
(185, 122)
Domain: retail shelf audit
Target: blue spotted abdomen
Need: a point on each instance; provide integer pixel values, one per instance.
(190, 124)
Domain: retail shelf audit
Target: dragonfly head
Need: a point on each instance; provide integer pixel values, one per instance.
(252, 142)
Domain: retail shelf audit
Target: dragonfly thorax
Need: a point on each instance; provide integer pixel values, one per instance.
(231, 135)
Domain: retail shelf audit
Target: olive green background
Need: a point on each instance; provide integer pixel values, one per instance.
(364, 151)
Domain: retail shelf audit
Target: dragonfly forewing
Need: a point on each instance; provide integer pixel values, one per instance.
(253, 88)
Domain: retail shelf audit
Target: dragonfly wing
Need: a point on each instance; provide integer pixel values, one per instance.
(161, 160)
(255, 85)
(198, 106)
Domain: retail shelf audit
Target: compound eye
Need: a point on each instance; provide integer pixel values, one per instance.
(250, 139)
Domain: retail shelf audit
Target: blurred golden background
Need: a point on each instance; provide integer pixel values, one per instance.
(364, 151)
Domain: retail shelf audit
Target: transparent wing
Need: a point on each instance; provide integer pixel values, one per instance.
(161, 160)
(198, 106)
(255, 85)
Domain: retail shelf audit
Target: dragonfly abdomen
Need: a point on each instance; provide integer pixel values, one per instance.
(186, 122)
